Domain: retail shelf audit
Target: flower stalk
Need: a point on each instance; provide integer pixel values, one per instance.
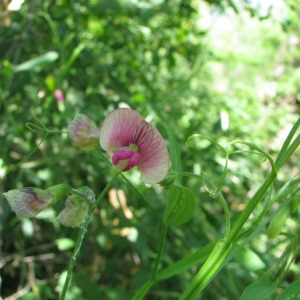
(82, 232)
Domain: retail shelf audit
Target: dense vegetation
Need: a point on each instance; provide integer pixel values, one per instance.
(219, 80)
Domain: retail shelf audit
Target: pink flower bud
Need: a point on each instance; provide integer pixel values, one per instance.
(59, 96)
(135, 142)
(84, 133)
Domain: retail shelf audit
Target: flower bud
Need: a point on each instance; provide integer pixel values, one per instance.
(28, 202)
(84, 133)
(86, 193)
(74, 212)
(59, 96)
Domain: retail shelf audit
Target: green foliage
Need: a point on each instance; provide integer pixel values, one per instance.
(220, 80)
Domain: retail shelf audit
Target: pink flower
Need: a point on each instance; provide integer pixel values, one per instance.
(135, 142)
(59, 96)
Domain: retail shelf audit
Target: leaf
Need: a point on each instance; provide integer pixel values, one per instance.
(174, 149)
(181, 205)
(38, 61)
(258, 291)
(185, 263)
(291, 292)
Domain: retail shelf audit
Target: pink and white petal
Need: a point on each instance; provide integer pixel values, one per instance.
(120, 128)
(155, 161)
(152, 174)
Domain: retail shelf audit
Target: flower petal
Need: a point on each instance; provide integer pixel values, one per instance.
(120, 129)
(155, 161)
(28, 202)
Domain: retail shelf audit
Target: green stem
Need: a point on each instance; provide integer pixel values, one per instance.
(250, 207)
(144, 289)
(160, 250)
(26, 157)
(226, 212)
(288, 152)
(142, 198)
(221, 250)
(280, 158)
(32, 127)
(208, 270)
(215, 261)
(82, 232)
(223, 175)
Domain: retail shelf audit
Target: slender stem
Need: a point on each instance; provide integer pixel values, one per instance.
(144, 289)
(250, 207)
(221, 250)
(82, 232)
(142, 198)
(226, 212)
(26, 157)
(223, 175)
(285, 146)
(289, 151)
(208, 270)
(160, 250)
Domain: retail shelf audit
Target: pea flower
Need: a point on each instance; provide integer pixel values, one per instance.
(84, 133)
(28, 202)
(135, 142)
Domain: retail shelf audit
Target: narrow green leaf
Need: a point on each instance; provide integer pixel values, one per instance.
(143, 290)
(185, 263)
(38, 61)
(258, 290)
(174, 149)
(75, 54)
(208, 271)
(181, 205)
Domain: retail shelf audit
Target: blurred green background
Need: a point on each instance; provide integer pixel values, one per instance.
(225, 69)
